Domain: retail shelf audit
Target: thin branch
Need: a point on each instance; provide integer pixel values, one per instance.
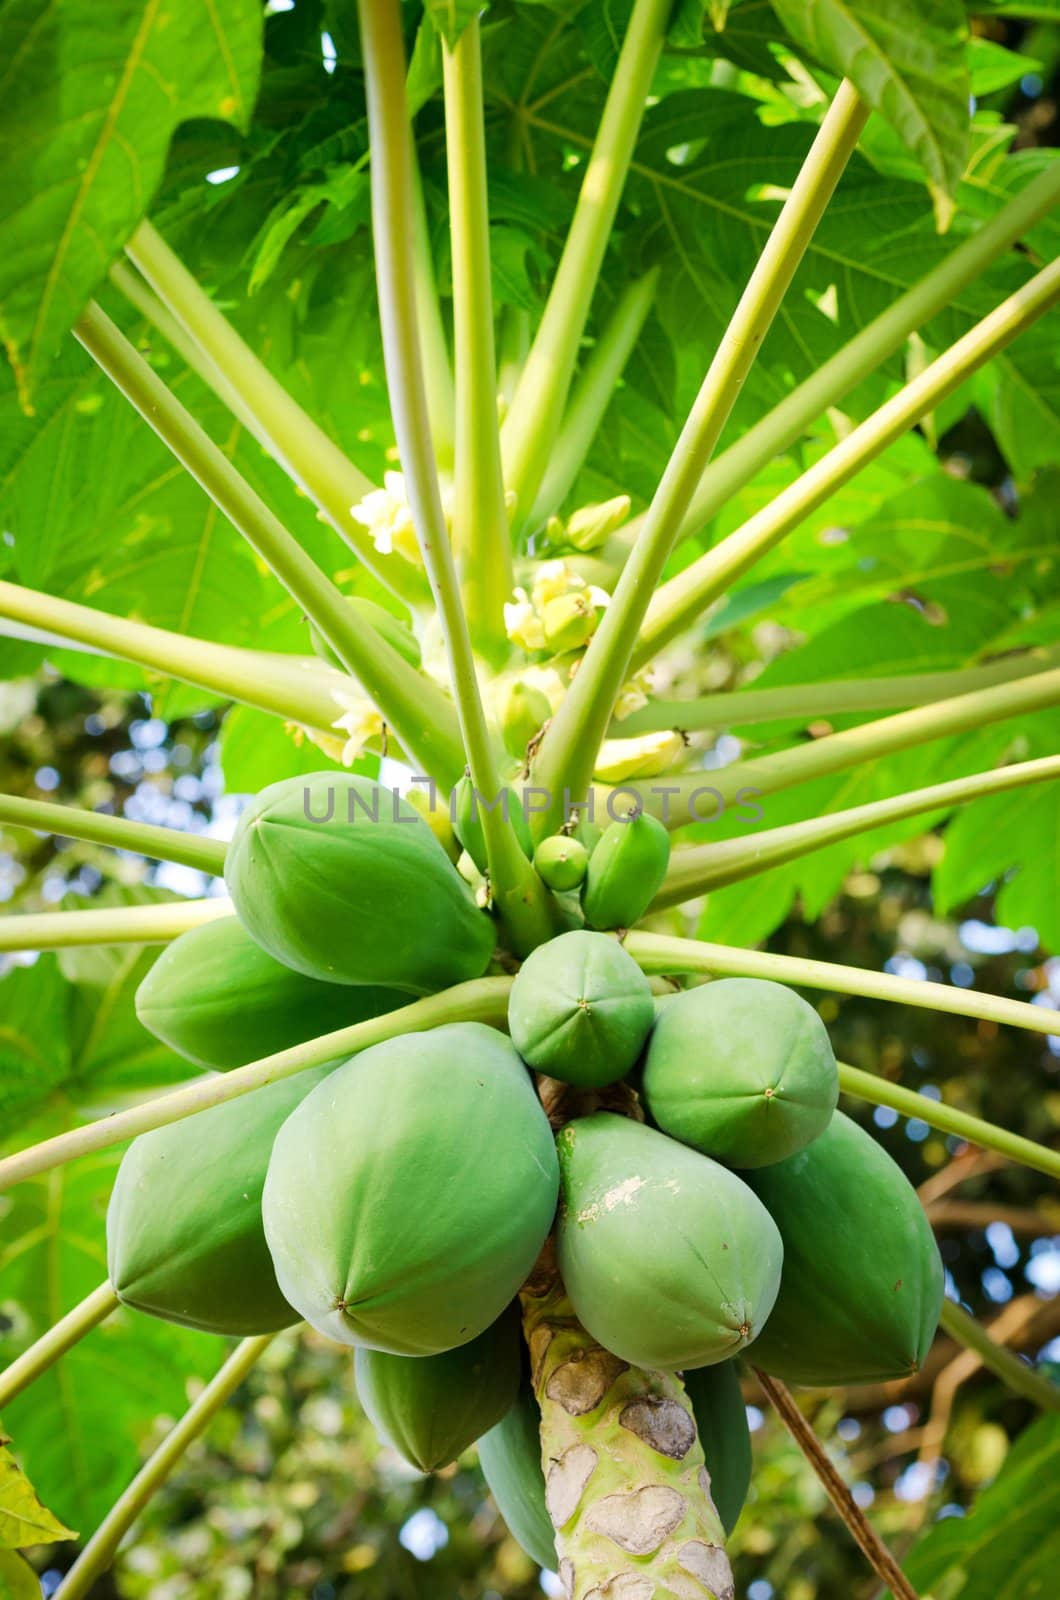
(101, 1549)
(482, 1000)
(437, 367)
(411, 704)
(979, 1214)
(812, 702)
(62, 1336)
(879, 1091)
(676, 605)
(297, 688)
(539, 401)
(1015, 1374)
(659, 953)
(713, 574)
(70, 930)
(244, 383)
(480, 518)
(71, 822)
(569, 748)
(968, 1163)
(858, 1525)
(519, 896)
(837, 752)
(710, 866)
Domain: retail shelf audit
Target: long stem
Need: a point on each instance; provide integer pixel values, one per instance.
(69, 930)
(519, 895)
(682, 600)
(539, 401)
(1014, 1373)
(71, 822)
(676, 606)
(809, 702)
(658, 953)
(879, 1092)
(301, 446)
(482, 1000)
(293, 687)
(480, 518)
(416, 709)
(569, 748)
(592, 394)
(839, 751)
(437, 367)
(868, 1540)
(710, 866)
(62, 1336)
(101, 1549)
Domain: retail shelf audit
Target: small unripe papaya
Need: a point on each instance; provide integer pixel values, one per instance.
(405, 1205)
(185, 1239)
(669, 1259)
(626, 870)
(561, 862)
(721, 1421)
(468, 808)
(437, 819)
(526, 711)
(510, 1458)
(431, 1408)
(397, 634)
(340, 879)
(741, 1069)
(220, 1000)
(862, 1285)
(580, 1009)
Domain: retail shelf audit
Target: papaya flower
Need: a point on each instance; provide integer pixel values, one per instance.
(387, 515)
(644, 757)
(558, 613)
(633, 695)
(360, 722)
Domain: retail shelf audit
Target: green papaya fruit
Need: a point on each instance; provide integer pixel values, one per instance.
(625, 872)
(580, 1009)
(398, 634)
(669, 1259)
(185, 1240)
(560, 862)
(431, 1408)
(340, 879)
(721, 1421)
(510, 1457)
(468, 807)
(861, 1290)
(408, 1197)
(526, 710)
(741, 1069)
(220, 1000)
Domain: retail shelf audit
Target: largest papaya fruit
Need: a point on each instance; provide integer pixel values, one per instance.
(861, 1289)
(408, 1196)
(340, 879)
(184, 1234)
(669, 1259)
(219, 999)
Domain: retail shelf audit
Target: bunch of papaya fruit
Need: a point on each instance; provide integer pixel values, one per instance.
(700, 1193)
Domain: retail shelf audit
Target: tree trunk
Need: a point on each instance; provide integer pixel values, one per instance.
(626, 1485)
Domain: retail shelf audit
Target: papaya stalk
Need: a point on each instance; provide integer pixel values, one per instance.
(62, 1336)
(67, 930)
(626, 1484)
(1014, 1373)
(72, 822)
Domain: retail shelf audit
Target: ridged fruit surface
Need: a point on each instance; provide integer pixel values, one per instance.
(669, 1259)
(862, 1284)
(741, 1069)
(219, 999)
(580, 1009)
(408, 1198)
(365, 894)
(721, 1420)
(184, 1233)
(431, 1408)
(510, 1457)
(625, 872)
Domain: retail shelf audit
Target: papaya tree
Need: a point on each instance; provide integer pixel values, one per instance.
(527, 423)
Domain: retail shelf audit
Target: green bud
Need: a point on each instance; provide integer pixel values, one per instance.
(591, 526)
(561, 862)
(569, 622)
(525, 713)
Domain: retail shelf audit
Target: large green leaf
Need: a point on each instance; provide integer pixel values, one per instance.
(908, 62)
(451, 17)
(90, 98)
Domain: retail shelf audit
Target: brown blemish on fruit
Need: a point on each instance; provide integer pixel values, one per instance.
(663, 1425)
(580, 1384)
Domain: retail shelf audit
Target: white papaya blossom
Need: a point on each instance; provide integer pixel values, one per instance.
(360, 722)
(559, 611)
(644, 757)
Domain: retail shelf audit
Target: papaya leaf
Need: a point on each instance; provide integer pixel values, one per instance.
(979, 848)
(91, 99)
(18, 1581)
(451, 17)
(1008, 1546)
(908, 62)
(23, 1520)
